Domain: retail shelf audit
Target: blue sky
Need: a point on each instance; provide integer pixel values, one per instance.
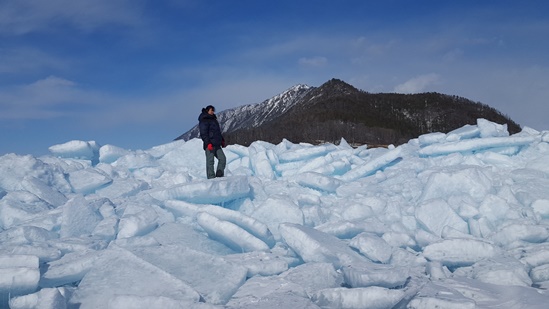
(136, 73)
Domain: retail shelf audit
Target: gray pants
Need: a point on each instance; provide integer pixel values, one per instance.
(221, 162)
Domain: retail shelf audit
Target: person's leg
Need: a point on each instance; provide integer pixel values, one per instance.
(210, 164)
(221, 162)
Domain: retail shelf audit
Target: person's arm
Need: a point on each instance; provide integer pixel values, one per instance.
(204, 128)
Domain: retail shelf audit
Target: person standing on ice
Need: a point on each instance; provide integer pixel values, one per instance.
(213, 142)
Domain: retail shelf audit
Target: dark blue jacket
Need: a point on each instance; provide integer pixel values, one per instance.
(210, 131)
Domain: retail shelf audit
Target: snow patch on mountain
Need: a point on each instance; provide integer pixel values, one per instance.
(254, 115)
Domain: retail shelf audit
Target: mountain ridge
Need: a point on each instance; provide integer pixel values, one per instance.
(338, 110)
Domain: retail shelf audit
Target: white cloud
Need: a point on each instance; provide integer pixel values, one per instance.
(453, 55)
(43, 99)
(50, 91)
(52, 82)
(25, 60)
(21, 17)
(418, 83)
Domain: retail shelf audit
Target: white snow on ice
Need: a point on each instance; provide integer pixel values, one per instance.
(447, 220)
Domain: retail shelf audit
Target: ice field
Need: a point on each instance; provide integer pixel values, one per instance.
(447, 220)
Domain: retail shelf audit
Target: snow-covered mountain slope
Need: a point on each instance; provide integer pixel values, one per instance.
(254, 115)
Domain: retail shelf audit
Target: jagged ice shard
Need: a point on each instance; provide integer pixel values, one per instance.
(447, 220)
